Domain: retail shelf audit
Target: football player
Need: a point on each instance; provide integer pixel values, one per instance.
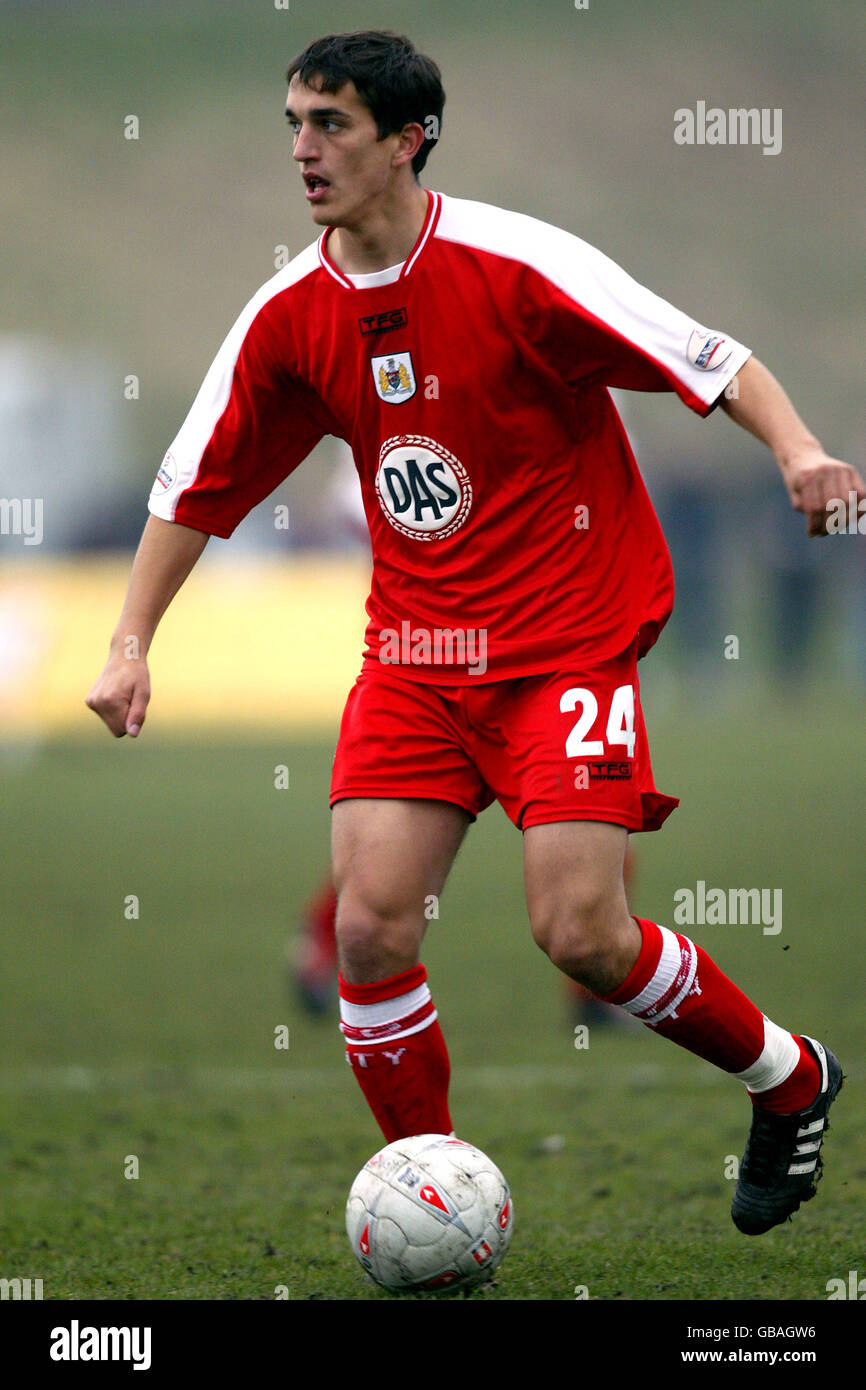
(466, 353)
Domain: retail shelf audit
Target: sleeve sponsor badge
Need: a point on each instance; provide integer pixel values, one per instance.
(707, 350)
(166, 476)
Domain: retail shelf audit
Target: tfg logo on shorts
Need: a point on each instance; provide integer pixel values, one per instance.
(423, 489)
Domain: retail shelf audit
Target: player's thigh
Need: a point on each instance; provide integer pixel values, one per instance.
(391, 854)
(573, 877)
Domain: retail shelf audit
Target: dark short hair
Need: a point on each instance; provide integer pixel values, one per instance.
(397, 84)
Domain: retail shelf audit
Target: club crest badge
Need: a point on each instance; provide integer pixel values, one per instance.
(394, 377)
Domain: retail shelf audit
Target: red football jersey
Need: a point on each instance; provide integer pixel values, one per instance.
(510, 527)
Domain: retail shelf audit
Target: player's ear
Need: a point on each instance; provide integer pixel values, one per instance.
(411, 138)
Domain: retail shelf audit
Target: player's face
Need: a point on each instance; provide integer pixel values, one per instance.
(347, 169)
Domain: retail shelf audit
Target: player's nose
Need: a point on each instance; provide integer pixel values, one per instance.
(305, 144)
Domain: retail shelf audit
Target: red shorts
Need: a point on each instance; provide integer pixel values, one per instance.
(566, 745)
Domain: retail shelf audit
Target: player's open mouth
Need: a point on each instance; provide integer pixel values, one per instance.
(315, 187)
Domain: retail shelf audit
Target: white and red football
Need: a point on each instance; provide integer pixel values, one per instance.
(429, 1213)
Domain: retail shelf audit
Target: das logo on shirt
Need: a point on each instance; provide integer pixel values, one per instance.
(423, 489)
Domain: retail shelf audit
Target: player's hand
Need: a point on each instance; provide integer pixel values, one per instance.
(120, 696)
(815, 481)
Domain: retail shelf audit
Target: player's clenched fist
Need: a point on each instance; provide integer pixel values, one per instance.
(121, 694)
(816, 483)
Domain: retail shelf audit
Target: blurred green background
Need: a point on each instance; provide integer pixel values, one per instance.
(143, 251)
(154, 1036)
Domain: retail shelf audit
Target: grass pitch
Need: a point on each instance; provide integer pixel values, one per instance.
(149, 894)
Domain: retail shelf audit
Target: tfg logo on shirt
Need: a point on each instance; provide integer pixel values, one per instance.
(423, 489)
(383, 323)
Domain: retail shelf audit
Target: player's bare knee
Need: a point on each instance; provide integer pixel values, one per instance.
(590, 939)
(362, 938)
(371, 945)
(574, 952)
(582, 913)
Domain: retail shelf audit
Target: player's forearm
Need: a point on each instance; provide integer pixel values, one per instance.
(166, 555)
(762, 407)
(815, 482)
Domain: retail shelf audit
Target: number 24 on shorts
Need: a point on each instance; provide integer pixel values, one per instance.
(620, 722)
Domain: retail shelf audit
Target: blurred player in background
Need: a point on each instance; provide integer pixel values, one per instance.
(519, 573)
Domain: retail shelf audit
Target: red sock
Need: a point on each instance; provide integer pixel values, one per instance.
(396, 1049)
(676, 989)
